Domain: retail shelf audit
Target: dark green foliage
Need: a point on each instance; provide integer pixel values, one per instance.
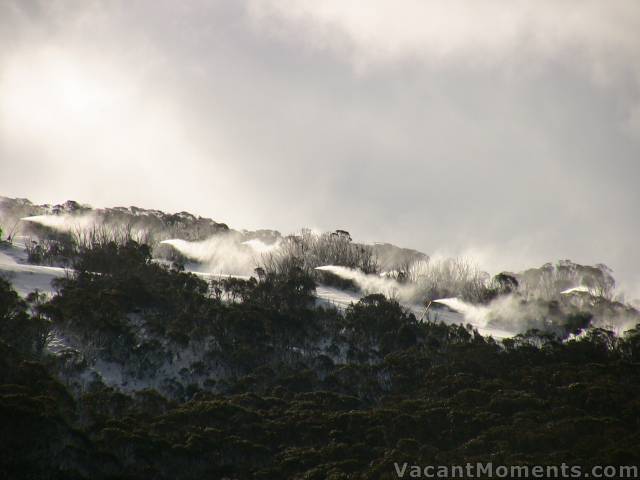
(122, 280)
(473, 403)
(501, 284)
(113, 258)
(22, 331)
(332, 280)
(39, 439)
(308, 392)
(289, 290)
(52, 248)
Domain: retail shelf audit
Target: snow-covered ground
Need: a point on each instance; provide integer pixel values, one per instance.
(25, 277)
(340, 299)
(580, 289)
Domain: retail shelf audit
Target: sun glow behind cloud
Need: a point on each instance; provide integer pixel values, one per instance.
(91, 121)
(47, 92)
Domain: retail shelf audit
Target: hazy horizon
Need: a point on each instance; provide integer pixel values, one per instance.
(510, 134)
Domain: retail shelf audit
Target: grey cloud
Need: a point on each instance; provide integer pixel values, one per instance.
(238, 111)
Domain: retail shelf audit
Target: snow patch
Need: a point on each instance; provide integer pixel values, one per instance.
(26, 278)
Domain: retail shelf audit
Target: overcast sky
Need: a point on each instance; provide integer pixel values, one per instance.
(507, 130)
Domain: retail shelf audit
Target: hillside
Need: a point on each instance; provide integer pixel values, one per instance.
(139, 344)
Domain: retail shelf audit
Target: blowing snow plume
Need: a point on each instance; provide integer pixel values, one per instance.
(422, 280)
(63, 223)
(507, 315)
(370, 283)
(411, 296)
(258, 246)
(223, 254)
(501, 315)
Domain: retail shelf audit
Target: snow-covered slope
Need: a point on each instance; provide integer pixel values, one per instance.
(340, 299)
(25, 277)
